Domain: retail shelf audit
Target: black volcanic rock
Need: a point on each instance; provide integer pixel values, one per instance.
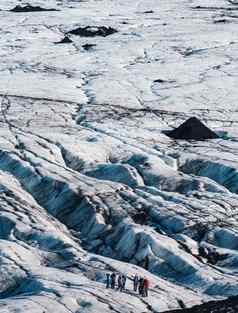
(220, 21)
(66, 39)
(149, 11)
(161, 81)
(192, 129)
(88, 46)
(229, 305)
(92, 31)
(30, 8)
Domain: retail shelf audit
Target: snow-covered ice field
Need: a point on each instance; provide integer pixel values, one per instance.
(89, 181)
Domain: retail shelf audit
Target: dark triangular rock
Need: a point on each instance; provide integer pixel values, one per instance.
(192, 129)
(66, 39)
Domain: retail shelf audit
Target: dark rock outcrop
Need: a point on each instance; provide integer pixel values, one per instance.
(30, 8)
(88, 46)
(92, 31)
(221, 21)
(149, 12)
(224, 306)
(192, 129)
(66, 39)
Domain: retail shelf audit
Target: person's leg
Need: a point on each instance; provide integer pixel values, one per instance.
(143, 292)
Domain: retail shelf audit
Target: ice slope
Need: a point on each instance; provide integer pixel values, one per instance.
(90, 183)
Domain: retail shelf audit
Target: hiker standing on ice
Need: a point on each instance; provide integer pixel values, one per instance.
(119, 283)
(108, 280)
(123, 282)
(146, 287)
(141, 286)
(113, 280)
(136, 282)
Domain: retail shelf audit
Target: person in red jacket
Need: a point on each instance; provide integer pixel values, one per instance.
(146, 286)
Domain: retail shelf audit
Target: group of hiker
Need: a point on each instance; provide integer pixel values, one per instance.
(141, 284)
(116, 282)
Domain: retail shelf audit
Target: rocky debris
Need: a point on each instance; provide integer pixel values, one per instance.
(93, 31)
(192, 129)
(212, 256)
(214, 8)
(31, 8)
(229, 305)
(88, 46)
(66, 39)
(160, 81)
(221, 21)
(140, 218)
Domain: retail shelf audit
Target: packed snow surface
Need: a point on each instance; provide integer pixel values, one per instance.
(89, 181)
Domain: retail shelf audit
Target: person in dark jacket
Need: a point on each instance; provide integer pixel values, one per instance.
(113, 280)
(136, 282)
(119, 283)
(146, 262)
(108, 280)
(141, 286)
(123, 282)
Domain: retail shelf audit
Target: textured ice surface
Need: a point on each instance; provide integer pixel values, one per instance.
(89, 181)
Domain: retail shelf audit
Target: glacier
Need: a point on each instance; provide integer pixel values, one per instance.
(90, 182)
